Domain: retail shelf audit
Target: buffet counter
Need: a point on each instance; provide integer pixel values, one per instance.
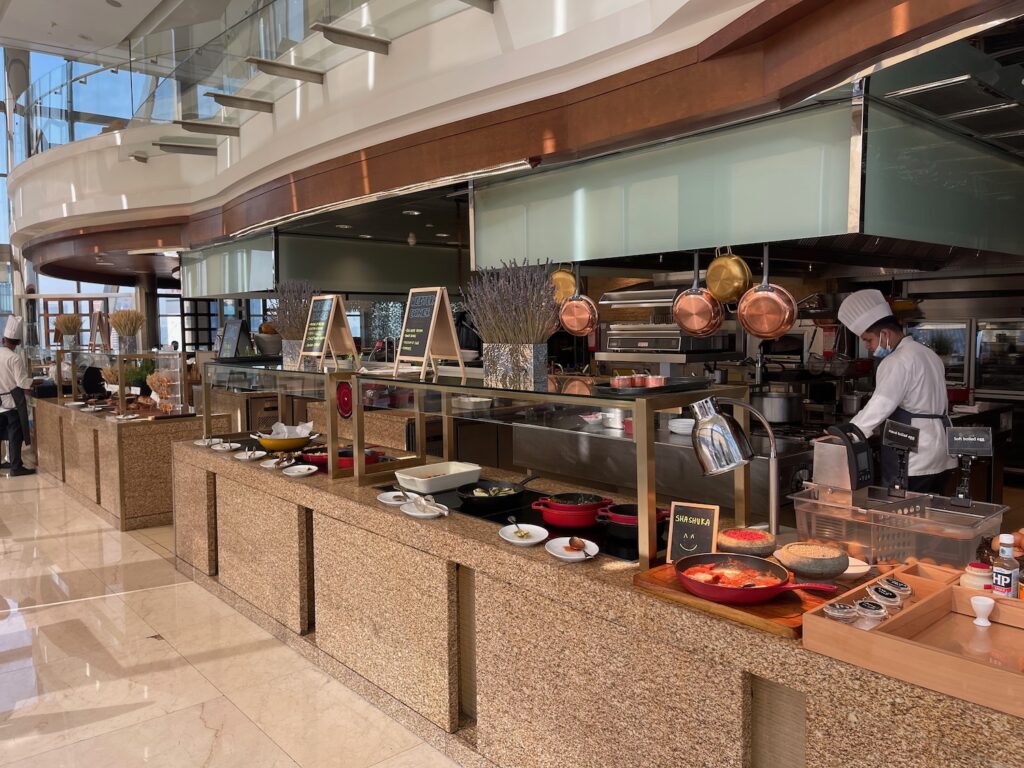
(121, 469)
(501, 655)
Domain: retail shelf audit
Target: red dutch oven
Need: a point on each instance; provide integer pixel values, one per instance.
(571, 510)
(621, 520)
(345, 458)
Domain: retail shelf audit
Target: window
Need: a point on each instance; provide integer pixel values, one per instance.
(199, 323)
(169, 311)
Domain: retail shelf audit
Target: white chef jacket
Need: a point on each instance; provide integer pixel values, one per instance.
(912, 378)
(12, 376)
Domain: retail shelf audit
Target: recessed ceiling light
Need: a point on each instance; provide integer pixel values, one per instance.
(366, 237)
(343, 226)
(443, 234)
(429, 226)
(85, 37)
(114, 3)
(411, 212)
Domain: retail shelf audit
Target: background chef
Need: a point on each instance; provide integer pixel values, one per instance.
(910, 388)
(15, 384)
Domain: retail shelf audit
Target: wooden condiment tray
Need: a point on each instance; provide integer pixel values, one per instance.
(933, 642)
(782, 616)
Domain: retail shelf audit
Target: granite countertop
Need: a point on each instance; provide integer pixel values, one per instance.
(107, 418)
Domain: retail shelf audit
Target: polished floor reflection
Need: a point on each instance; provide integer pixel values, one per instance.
(110, 657)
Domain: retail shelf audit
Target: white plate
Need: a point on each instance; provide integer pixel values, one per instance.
(272, 464)
(681, 426)
(91, 409)
(224, 447)
(74, 405)
(127, 416)
(537, 535)
(395, 498)
(250, 456)
(857, 569)
(302, 470)
(413, 511)
(207, 442)
(557, 547)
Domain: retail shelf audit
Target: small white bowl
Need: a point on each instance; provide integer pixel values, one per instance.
(272, 464)
(251, 456)
(537, 535)
(413, 511)
(225, 447)
(208, 442)
(302, 470)
(396, 498)
(469, 403)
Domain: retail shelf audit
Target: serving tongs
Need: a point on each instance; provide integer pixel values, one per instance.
(426, 504)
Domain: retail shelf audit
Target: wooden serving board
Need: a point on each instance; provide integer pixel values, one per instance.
(782, 616)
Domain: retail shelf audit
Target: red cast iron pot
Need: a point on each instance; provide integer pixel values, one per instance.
(345, 458)
(626, 514)
(740, 595)
(575, 502)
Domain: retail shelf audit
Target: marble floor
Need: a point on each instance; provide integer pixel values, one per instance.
(110, 657)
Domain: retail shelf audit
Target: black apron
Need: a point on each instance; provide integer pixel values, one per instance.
(890, 457)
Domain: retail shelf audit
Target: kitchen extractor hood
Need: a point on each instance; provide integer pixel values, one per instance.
(640, 297)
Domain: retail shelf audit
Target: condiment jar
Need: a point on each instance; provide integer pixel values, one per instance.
(871, 614)
(977, 576)
(901, 588)
(885, 596)
(842, 612)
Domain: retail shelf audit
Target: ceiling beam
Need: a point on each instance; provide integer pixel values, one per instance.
(241, 102)
(174, 148)
(214, 129)
(353, 39)
(483, 5)
(290, 71)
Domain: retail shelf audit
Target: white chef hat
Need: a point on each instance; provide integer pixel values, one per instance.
(860, 310)
(13, 328)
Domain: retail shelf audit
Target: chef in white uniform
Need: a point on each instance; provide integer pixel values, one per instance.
(15, 384)
(910, 388)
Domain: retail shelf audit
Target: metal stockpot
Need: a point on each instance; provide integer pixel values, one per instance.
(853, 403)
(779, 407)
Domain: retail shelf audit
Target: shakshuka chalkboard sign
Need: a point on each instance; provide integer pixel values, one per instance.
(428, 331)
(692, 530)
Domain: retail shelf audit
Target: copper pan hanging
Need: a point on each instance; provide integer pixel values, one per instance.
(767, 311)
(578, 314)
(695, 310)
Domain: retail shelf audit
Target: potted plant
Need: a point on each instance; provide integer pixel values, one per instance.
(68, 326)
(127, 323)
(513, 311)
(289, 315)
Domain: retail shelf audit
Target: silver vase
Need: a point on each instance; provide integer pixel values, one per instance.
(290, 349)
(516, 366)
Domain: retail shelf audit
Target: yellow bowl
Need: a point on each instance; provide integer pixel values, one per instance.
(282, 444)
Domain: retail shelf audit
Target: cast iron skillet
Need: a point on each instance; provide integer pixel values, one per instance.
(740, 595)
(496, 503)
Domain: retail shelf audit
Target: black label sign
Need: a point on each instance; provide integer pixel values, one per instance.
(416, 331)
(316, 327)
(692, 530)
(229, 341)
(969, 441)
(901, 436)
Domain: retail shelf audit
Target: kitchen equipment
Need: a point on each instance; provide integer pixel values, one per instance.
(282, 444)
(779, 407)
(874, 527)
(844, 459)
(670, 385)
(664, 343)
(853, 402)
(571, 510)
(318, 457)
(767, 311)
(816, 309)
(695, 310)
(740, 595)
(504, 501)
(578, 314)
(728, 276)
(564, 282)
(575, 501)
(620, 520)
(432, 478)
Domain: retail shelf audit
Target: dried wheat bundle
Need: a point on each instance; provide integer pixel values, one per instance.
(127, 322)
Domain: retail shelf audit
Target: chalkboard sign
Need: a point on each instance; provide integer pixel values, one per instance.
(428, 331)
(692, 530)
(317, 325)
(419, 318)
(327, 331)
(969, 441)
(902, 437)
(229, 339)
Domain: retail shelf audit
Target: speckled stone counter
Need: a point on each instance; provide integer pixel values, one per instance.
(572, 664)
(121, 469)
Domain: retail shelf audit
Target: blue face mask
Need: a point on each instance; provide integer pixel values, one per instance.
(880, 351)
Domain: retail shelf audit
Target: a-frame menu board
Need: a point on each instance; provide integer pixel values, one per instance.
(327, 330)
(99, 331)
(428, 331)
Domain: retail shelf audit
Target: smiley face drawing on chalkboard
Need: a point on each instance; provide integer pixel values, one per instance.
(690, 539)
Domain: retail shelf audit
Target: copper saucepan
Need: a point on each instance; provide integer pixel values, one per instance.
(767, 311)
(728, 276)
(695, 310)
(578, 314)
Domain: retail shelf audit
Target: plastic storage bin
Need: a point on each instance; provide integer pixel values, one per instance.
(874, 527)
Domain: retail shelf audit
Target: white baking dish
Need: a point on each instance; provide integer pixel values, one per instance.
(434, 478)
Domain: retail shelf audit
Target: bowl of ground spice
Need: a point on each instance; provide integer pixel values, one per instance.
(813, 561)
